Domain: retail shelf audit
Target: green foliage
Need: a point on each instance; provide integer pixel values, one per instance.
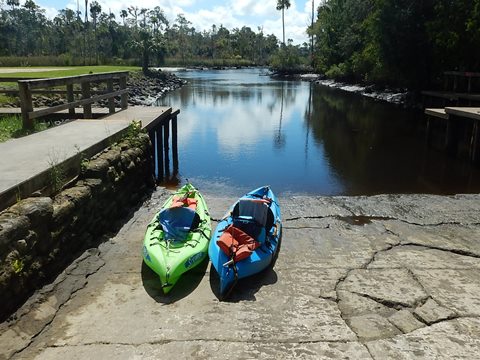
(84, 165)
(202, 62)
(57, 177)
(133, 131)
(4, 99)
(84, 161)
(17, 266)
(56, 172)
(338, 71)
(140, 37)
(11, 127)
(398, 42)
(287, 59)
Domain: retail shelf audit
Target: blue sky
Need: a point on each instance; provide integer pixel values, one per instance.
(202, 14)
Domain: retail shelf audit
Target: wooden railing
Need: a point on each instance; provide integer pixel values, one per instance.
(457, 76)
(27, 87)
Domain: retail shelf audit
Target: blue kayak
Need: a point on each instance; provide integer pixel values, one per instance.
(246, 241)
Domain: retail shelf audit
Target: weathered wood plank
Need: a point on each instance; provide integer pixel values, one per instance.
(111, 100)
(26, 105)
(87, 106)
(159, 150)
(83, 102)
(50, 82)
(174, 143)
(166, 135)
(124, 99)
(466, 112)
(440, 113)
(70, 97)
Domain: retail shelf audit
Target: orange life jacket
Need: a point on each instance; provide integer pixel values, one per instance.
(236, 243)
(184, 201)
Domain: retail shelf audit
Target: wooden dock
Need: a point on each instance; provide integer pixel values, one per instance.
(25, 162)
(453, 116)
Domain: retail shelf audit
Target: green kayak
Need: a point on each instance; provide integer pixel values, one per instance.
(177, 238)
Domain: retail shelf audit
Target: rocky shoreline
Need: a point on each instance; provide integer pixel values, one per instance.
(143, 90)
(401, 97)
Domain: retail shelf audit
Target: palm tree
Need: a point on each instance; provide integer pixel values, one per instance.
(157, 18)
(282, 5)
(123, 15)
(85, 29)
(95, 9)
(133, 10)
(86, 11)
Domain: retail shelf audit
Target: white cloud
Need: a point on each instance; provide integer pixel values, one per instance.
(231, 14)
(50, 12)
(253, 8)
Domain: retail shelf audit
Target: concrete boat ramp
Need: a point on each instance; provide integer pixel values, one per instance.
(383, 277)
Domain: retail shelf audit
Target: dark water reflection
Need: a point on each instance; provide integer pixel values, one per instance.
(239, 130)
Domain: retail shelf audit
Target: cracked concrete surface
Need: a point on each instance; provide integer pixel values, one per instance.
(382, 277)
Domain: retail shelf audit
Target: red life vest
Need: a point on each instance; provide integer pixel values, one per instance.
(184, 201)
(237, 244)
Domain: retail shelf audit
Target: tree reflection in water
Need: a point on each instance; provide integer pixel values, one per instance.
(338, 143)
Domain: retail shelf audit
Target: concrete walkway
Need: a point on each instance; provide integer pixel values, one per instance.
(24, 159)
(383, 277)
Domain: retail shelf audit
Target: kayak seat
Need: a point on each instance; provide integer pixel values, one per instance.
(254, 217)
(237, 244)
(177, 222)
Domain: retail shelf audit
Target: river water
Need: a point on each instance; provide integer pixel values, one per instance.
(239, 129)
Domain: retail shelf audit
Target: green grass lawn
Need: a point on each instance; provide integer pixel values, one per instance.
(66, 71)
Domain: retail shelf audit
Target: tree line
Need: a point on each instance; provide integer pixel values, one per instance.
(139, 35)
(407, 43)
(398, 42)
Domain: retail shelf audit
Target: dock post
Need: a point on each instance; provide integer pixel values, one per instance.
(428, 131)
(448, 135)
(174, 143)
(166, 135)
(474, 142)
(26, 104)
(87, 108)
(70, 98)
(111, 100)
(159, 149)
(124, 97)
(151, 135)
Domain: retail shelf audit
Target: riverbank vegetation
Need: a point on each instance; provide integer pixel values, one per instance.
(404, 43)
(398, 42)
(139, 37)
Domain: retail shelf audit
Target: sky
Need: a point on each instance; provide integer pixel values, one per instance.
(202, 14)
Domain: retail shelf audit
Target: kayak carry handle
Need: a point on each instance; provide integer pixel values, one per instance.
(229, 262)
